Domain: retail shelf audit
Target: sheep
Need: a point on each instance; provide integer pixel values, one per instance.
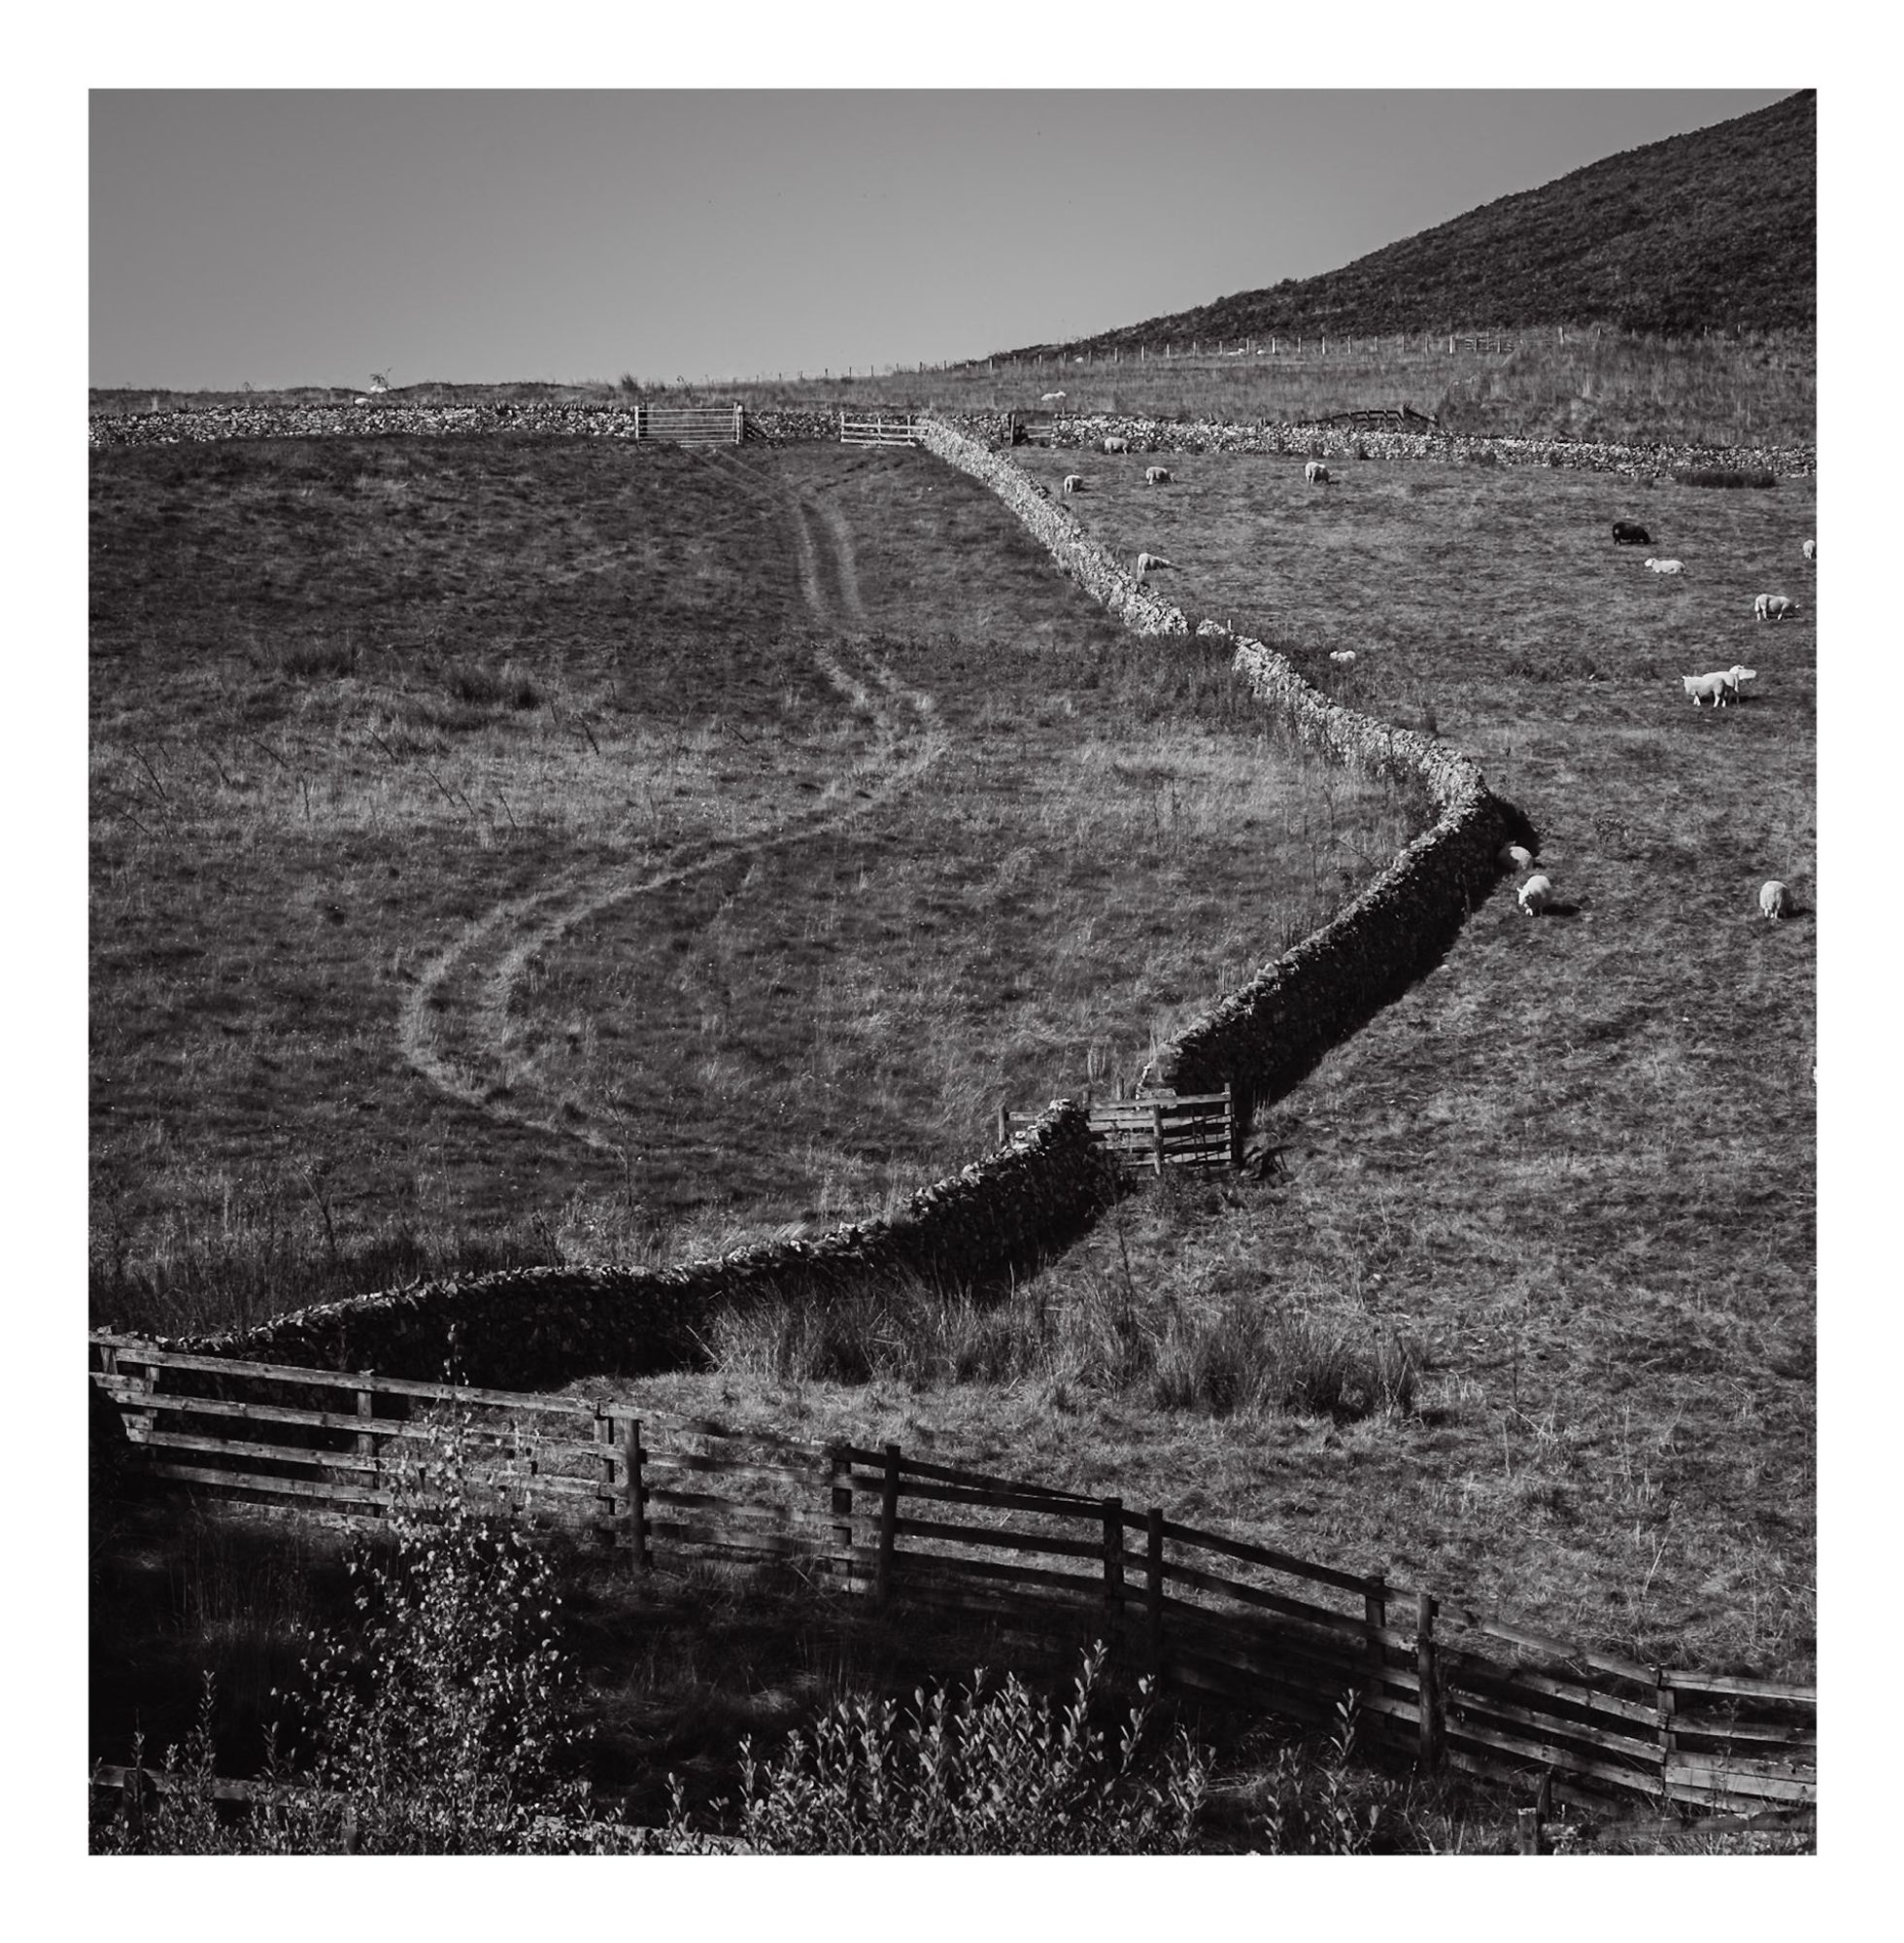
(1157, 475)
(1810, 550)
(1536, 894)
(1627, 533)
(1146, 561)
(1773, 607)
(1051, 398)
(1723, 686)
(1517, 857)
(1341, 653)
(1118, 445)
(1667, 565)
(1073, 481)
(1774, 899)
(1315, 473)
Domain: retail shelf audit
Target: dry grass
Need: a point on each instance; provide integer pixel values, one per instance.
(506, 848)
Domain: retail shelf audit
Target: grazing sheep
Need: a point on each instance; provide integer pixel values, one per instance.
(1667, 565)
(1341, 653)
(1774, 899)
(1158, 475)
(1536, 894)
(1810, 550)
(1626, 533)
(1315, 473)
(1723, 686)
(1773, 607)
(1146, 561)
(1051, 398)
(1118, 445)
(1073, 481)
(1517, 857)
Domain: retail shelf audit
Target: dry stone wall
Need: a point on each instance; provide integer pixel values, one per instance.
(537, 1328)
(543, 1327)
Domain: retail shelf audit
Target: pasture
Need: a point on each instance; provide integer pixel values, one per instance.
(1573, 1171)
(504, 849)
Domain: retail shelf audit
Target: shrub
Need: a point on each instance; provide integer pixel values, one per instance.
(978, 1772)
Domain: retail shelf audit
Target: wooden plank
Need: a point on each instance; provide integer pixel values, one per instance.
(1467, 1666)
(1747, 1769)
(1348, 1625)
(131, 1349)
(294, 1487)
(1032, 1505)
(999, 1539)
(1276, 1562)
(1724, 1785)
(1763, 1733)
(1547, 1754)
(1469, 1706)
(1567, 1652)
(740, 1508)
(732, 1539)
(946, 1474)
(912, 1568)
(1323, 1663)
(800, 1477)
(1746, 1689)
(336, 1460)
(417, 1429)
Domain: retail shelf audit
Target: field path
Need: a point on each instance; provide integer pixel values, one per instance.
(467, 992)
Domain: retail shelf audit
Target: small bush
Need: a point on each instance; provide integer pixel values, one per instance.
(999, 1772)
(1714, 475)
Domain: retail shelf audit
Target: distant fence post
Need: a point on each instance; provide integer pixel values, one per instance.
(1425, 1670)
(840, 1467)
(637, 1497)
(366, 1444)
(1157, 1136)
(889, 1518)
(1114, 1562)
(739, 426)
(1665, 1702)
(1004, 1124)
(604, 1440)
(1154, 1588)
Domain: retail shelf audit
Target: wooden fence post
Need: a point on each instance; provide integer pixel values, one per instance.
(637, 1497)
(1114, 1562)
(1375, 1613)
(366, 1444)
(1157, 1136)
(1424, 1661)
(1664, 1701)
(843, 1508)
(889, 1517)
(1004, 1124)
(1154, 1588)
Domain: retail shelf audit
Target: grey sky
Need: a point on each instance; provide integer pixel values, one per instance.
(311, 238)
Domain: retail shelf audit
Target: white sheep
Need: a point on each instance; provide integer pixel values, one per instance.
(1536, 894)
(1073, 481)
(1773, 607)
(1517, 857)
(1810, 550)
(1774, 899)
(1118, 445)
(1341, 653)
(1667, 565)
(1146, 561)
(1723, 685)
(1315, 473)
(1158, 475)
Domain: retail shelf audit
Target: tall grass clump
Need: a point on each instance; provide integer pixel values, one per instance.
(1246, 1358)
(979, 1771)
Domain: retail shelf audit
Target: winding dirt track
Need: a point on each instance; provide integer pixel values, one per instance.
(493, 953)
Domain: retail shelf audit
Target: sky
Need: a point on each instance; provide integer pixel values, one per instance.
(246, 236)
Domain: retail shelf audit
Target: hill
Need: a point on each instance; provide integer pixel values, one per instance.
(1715, 229)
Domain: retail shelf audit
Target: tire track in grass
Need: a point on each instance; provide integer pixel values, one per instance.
(495, 953)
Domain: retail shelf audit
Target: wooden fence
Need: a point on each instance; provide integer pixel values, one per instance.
(692, 424)
(1148, 1136)
(1206, 1613)
(892, 430)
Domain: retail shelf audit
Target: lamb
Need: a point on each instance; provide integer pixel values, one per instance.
(1628, 532)
(1773, 607)
(1667, 565)
(1315, 473)
(1517, 857)
(1810, 550)
(1158, 475)
(1723, 686)
(1118, 445)
(1774, 899)
(1073, 481)
(1536, 894)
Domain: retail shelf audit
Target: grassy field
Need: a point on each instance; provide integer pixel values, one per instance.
(458, 807)
(1573, 1172)
(505, 848)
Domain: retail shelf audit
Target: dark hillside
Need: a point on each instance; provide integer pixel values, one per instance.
(1716, 230)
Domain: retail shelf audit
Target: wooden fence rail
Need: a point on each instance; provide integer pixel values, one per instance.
(1208, 1612)
(895, 429)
